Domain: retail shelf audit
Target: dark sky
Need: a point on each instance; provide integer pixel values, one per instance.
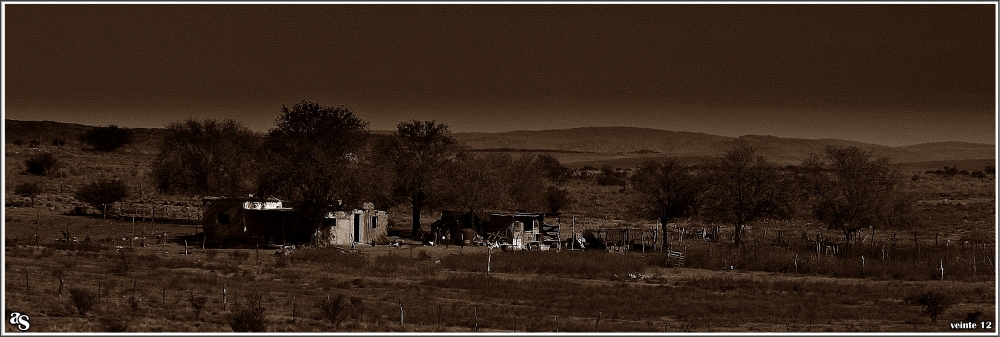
(888, 74)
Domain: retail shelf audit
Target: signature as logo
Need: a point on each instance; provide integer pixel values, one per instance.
(19, 320)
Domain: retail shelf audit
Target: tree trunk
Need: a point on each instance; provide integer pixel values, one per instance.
(663, 226)
(416, 220)
(738, 234)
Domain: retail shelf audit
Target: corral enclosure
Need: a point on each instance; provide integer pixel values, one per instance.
(779, 282)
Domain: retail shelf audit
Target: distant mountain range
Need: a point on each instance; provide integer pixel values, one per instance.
(594, 145)
(632, 140)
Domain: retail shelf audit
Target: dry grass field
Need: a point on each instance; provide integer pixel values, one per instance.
(118, 276)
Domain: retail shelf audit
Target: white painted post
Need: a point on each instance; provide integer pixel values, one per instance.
(942, 270)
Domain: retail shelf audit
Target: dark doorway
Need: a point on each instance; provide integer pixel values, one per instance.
(357, 227)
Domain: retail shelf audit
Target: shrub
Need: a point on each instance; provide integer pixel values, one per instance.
(123, 261)
(116, 321)
(18, 142)
(197, 304)
(28, 190)
(247, 316)
(82, 299)
(42, 164)
(107, 138)
(102, 192)
(334, 310)
(934, 303)
(58, 142)
(239, 255)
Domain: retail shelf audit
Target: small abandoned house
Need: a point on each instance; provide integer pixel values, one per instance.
(272, 221)
(518, 230)
(365, 225)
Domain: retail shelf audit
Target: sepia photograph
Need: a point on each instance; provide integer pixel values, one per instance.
(549, 167)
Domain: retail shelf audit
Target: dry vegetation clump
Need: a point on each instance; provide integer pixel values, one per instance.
(115, 320)
(197, 304)
(123, 258)
(334, 310)
(83, 299)
(247, 316)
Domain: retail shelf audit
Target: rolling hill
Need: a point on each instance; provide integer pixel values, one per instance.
(595, 146)
(629, 142)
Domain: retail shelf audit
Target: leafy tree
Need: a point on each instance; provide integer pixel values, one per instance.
(990, 170)
(858, 192)
(312, 159)
(476, 182)
(555, 171)
(744, 187)
(107, 138)
(210, 157)
(556, 199)
(42, 164)
(102, 192)
(496, 182)
(419, 153)
(665, 190)
(28, 190)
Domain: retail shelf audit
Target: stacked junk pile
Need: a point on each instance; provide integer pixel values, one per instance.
(516, 231)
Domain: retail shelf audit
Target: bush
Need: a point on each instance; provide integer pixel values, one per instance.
(58, 142)
(18, 142)
(934, 303)
(123, 263)
(102, 192)
(107, 138)
(247, 316)
(28, 190)
(82, 299)
(197, 304)
(116, 321)
(42, 164)
(334, 310)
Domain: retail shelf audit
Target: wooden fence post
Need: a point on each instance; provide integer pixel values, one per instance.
(401, 311)
(942, 270)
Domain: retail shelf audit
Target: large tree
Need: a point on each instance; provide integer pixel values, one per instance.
(744, 187)
(493, 181)
(419, 152)
(102, 192)
(210, 157)
(554, 171)
(313, 158)
(856, 191)
(665, 190)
